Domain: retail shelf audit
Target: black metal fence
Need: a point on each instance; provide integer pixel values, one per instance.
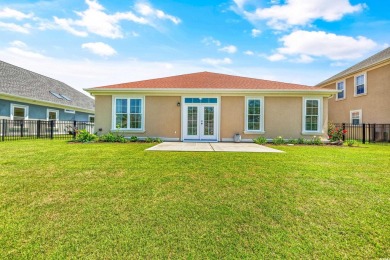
(372, 133)
(41, 129)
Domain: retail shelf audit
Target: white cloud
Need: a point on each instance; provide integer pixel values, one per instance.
(149, 11)
(21, 49)
(297, 12)
(255, 33)
(276, 57)
(322, 44)
(14, 14)
(229, 49)
(99, 48)
(25, 28)
(249, 53)
(97, 21)
(211, 41)
(18, 44)
(304, 59)
(216, 62)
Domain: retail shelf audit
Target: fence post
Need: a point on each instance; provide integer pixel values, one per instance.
(3, 133)
(51, 129)
(38, 128)
(374, 137)
(364, 133)
(74, 129)
(343, 132)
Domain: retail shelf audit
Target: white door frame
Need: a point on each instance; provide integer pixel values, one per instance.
(200, 106)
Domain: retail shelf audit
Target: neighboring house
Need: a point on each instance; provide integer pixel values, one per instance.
(26, 95)
(364, 95)
(211, 107)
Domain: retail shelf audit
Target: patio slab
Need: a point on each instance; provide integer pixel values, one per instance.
(212, 147)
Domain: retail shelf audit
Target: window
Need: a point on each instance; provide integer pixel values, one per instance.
(129, 113)
(311, 117)
(360, 85)
(356, 117)
(65, 97)
(19, 112)
(341, 86)
(254, 119)
(91, 119)
(55, 94)
(69, 111)
(52, 114)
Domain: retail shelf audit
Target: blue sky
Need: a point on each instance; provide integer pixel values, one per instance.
(88, 43)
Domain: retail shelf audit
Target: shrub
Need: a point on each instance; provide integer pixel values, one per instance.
(278, 140)
(158, 140)
(260, 140)
(300, 140)
(84, 136)
(149, 139)
(316, 141)
(335, 133)
(133, 139)
(292, 141)
(351, 142)
(112, 138)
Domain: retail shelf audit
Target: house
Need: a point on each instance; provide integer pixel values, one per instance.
(364, 95)
(26, 95)
(208, 106)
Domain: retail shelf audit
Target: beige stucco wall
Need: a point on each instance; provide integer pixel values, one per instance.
(162, 117)
(282, 117)
(375, 105)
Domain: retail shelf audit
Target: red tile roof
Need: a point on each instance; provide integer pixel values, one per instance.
(206, 80)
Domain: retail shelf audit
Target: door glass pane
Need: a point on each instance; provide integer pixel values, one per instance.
(208, 122)
(192, 121)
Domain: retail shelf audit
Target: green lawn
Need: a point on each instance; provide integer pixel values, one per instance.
(60, 200)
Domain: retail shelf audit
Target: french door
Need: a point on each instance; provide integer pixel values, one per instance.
(200, 122)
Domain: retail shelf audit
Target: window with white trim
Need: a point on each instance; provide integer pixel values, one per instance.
(360, 84)
(19, 112)
(340, 86)
(254, 111)
(91, 119)
(312, 115)
(69, 111)
(356, 117)
(52, 114)
(129, 113)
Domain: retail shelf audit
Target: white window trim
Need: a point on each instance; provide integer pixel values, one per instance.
(345, 91)
(261, 131)
(113, 117)
(360, 115)
(320, 115)
(19, 106)
(355, 86)
(52, 110)
(69, 111)
(89, 118)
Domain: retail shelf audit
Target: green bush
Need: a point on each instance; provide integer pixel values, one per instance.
(278, 140)
(149, 139)
(260, 140)
(133, 139)
(300, 140)
(112, 138)
(292, 141)
(84, 136)
(158, 140)
(351, 142)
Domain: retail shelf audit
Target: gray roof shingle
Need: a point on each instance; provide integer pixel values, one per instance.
(24, 83)
(370, 61)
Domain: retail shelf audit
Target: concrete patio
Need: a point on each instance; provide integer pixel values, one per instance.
(212, 147)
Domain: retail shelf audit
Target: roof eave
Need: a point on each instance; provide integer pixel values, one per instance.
(102, 91)
(45, 103)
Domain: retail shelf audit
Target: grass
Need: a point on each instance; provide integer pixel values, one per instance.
(60, 200)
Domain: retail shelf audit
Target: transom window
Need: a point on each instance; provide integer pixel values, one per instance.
(200, 100)
(129, 113)
(312, 115)
(341, 86)
(19, 112)
(254, 114)
(360, 84)
(356, 117)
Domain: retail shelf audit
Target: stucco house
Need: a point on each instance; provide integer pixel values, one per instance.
(208, 106)
(26, 95)
(364, 95)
